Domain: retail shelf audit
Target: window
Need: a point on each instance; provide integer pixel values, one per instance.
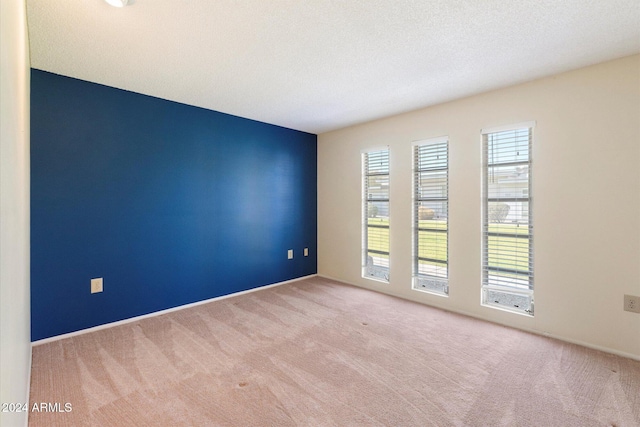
(507, 246)
(375, 215)
(430, 213)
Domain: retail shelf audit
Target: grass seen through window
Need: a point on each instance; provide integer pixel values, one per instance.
(433, 245)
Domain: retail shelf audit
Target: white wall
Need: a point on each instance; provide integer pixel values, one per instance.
(15, 334)
(586, 195)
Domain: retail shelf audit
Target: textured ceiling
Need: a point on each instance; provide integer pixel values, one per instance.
(322, 65)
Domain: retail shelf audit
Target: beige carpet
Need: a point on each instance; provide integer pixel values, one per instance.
(320, 353)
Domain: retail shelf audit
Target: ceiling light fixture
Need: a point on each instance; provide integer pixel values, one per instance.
(117, 3)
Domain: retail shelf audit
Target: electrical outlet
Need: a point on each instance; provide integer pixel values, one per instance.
(290, 254)
(96, 285)
(632, 303)
(306, 251)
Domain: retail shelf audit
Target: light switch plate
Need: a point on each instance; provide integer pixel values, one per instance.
(290, 254)
(306, 251)
(96, 285)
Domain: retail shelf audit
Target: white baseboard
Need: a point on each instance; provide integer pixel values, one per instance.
(533, 331)
(589, 345)
(158, 313)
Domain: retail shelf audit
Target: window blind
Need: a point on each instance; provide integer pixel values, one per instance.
(507, 260)
(430, 209)
(376, 215)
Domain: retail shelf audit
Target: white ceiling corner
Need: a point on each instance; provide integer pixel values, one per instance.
(318, 65)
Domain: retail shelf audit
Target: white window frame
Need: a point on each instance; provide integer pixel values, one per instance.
(438, 282)
(371, 270)
(505, 288)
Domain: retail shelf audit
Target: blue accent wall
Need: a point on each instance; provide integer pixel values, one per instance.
(169, 203)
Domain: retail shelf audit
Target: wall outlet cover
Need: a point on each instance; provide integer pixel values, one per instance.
(290, 254)
(632, 303)
(96, 285)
